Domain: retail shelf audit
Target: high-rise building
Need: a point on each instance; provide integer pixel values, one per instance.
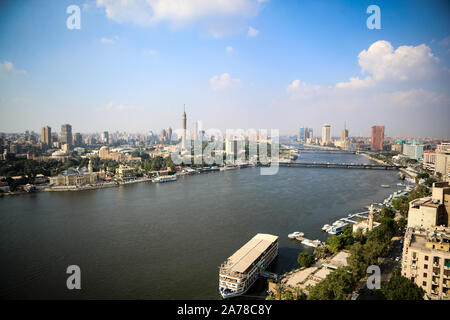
(413, 150)
(344, 134)
(46, 136)
(443, 164)
(301, 134)
(169, 133)
(377, 138)
(105, 137)
(183, 127)
(308, 133)
(194, 133)
(77, 139)
(326, 134)
(163, 135)
(66, 134)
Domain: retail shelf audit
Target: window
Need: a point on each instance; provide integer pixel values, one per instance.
(424, 283)
(424, 275)
(425, 266)
(426, 258)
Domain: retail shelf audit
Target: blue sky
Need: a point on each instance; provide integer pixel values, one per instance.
(131, 68)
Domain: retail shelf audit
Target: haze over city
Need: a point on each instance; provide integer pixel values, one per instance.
(240, 64)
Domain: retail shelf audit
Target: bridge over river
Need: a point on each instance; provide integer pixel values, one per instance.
(376, 166)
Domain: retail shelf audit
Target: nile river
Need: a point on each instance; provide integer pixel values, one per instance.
(166, 241)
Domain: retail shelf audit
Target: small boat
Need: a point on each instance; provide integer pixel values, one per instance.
(313, 243)
(326, 227)
(164, 179)
(295, 235)
(228, 168)
(385, 186)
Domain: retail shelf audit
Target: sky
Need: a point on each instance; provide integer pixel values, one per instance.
(262, 64)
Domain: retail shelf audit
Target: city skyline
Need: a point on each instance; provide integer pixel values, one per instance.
(258, 65)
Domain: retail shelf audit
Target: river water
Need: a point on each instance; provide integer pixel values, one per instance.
(166, 241)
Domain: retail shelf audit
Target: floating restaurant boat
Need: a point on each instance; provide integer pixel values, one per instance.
(238, 273)
(164, 179)
(295, 235)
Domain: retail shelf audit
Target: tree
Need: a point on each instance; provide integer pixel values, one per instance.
(388, 212)
(356, 261)
(305, 259)
(401, 288)
(335, 243)
(402, 205)
(336, 286)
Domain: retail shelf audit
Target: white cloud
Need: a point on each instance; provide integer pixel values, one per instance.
(406, 63)
(223, 81)
(106, 40)
(252, 32)
(7, 67)
(179, 12)
(301, 90)
(356, 83)
(229, 49)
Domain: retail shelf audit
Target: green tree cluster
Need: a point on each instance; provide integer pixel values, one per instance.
(401, 288)
(305, 259)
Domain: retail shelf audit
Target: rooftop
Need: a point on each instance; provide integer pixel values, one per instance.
(242, 259)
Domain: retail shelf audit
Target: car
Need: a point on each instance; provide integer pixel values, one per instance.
(397, 259)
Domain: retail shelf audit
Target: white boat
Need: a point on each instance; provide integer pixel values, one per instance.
(385, 186)
(228, 168)
(295, 235)
(313, 243)
(164, 179)
(326, 227)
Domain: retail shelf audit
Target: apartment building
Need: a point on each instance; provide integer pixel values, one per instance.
(426, 260)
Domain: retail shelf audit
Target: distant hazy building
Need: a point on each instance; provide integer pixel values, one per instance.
(77, 139)
(326, 134)
(183, 127)
(377, 138)
(308, 134)
(194, 131)
(46, 136)
(413, 150)
(163, 135)
(66, 134)
(105, 137)
(429, 159)
(169, 134)
(302, 134)
(398, 146)
(344, 135)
